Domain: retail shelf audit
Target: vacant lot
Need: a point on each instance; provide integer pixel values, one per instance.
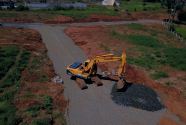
(155, 57)
(28, 94)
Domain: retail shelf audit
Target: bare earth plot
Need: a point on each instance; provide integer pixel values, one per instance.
(95, 105)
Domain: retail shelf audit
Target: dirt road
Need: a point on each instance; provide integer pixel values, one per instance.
(93, 106)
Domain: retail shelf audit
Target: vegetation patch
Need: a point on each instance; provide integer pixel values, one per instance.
(170, 83)
(144, 40)
(15, 74)
(8, 95)
(174, 57)
(159, 74)
(136, 26)
(27, 95)
(42, 121)
(105, 47)
(7, 114)
(8, 56)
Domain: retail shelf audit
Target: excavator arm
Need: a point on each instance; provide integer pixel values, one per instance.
(107, 58)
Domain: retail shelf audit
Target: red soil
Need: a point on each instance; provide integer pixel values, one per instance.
(90, 37)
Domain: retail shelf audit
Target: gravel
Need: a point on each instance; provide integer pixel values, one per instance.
(137, 96)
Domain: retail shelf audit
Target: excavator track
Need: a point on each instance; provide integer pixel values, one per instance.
(96, 80)
(81, 83)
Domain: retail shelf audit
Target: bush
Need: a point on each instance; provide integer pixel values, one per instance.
(172, 27)
(8, 95)
(47, 101)
(26, 8)
(182, 16)
(57, 6)
(135, 9)
(159, 74)
(42, 121)
(20, 8)
(7, 114)
(158, 54)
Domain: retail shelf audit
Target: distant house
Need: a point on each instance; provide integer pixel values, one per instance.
(110, 2)
(6, 3)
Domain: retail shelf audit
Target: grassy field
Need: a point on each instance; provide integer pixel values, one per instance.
(155, 48)
(83, 13)
(138, 5)
(17, 59)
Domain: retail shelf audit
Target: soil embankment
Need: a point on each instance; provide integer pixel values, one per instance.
(89, 40)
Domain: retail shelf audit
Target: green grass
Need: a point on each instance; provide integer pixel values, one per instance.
(136, 26)
(58, 115)
(8, 15)
(47, 101)
(34, 63)
(84, 13)
(160, 11)
(7, 58)
(27, 95)
(170, 83)
(155, 32)
(11, 78)
(147, 61)
(144, 40)
(174, 57)
(139, 5)
(7, 114)
(8, 95)
(15, 74)
(105, 47)
(42, 121)
(181, 31)
(159, 74)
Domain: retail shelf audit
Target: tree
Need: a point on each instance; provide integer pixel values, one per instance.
(172, 4)
(114, 5)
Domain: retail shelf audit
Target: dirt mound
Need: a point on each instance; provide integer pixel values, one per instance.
(29, 39)
(92, 18)
(25, 102)
(22, 20)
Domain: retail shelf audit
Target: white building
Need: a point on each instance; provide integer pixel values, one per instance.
(109, 2)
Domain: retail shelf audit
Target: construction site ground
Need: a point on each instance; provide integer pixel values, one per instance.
(145, 101)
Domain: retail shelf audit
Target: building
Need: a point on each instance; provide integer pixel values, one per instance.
(6, 3)
(110, 2)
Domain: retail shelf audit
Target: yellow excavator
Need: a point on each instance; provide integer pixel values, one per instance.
(88, 70)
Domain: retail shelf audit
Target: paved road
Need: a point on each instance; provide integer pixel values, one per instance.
(92, 106)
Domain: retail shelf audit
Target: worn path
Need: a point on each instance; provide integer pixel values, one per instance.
(92, 106)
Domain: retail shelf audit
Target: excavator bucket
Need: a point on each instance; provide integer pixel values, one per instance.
(81, 83)
(96, 80)
(120, 84)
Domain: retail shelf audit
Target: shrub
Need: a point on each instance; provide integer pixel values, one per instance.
(136, 26)
(26, 8)
(27, 95)
(42, 121)
(144, 40)
(159, 74)
(8, 95)
(57, 6)
(182, 16)
(172, 27)
(20, 8)
(11, 78)
(47, 101)
(33, 108)
(158, 54)
(135, 9)
(7, 114)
